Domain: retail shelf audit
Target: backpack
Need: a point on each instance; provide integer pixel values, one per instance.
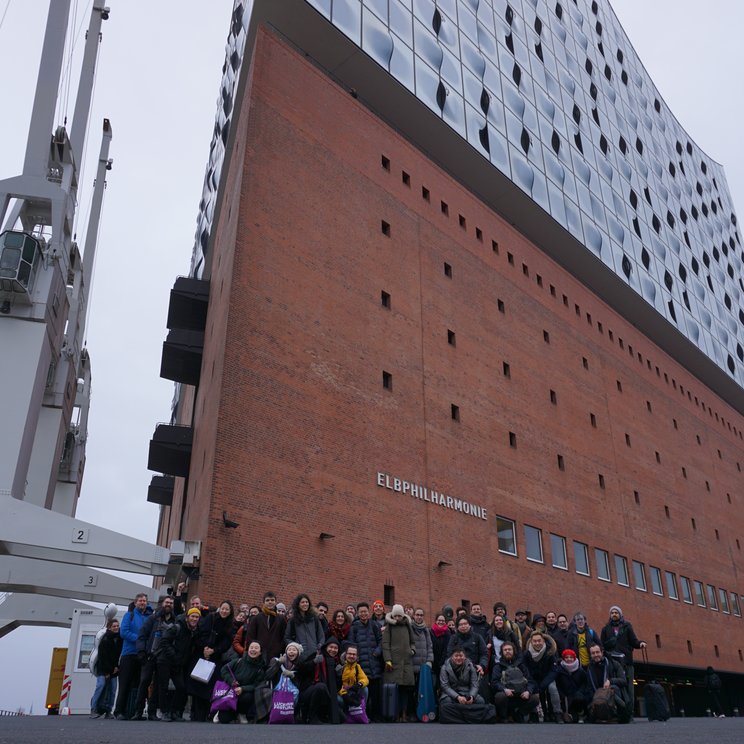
(603, 707)
(512, 678)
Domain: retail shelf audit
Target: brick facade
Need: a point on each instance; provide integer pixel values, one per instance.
(326, 208)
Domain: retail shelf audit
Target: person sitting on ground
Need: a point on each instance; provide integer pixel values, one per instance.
(319, 679)
(605, 672)
(573, 685)
(539, 658)
(459, 701)
(243, 675)
(515, 692)
(354, 682)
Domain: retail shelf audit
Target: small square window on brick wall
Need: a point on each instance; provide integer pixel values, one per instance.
(463, 222)
(510, 258)
(451, 338)
(385, 162)
(601, 480)
(561, 463)
(507, 369)
(494, 246)
(479, 234)
(444, 207)
(512, 439)
(501, 306)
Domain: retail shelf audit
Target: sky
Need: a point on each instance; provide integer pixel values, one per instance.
(158, 80)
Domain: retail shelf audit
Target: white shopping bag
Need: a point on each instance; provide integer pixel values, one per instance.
(203, 670)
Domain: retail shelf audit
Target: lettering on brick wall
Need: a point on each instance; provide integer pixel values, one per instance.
(431, 496)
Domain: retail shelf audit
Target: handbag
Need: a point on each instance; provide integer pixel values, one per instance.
(283, 702)
(263, 696)
(357, 713)
(224, 697)
(203, 670)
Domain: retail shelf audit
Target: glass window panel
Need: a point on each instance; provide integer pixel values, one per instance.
(507, 536)
(656, 587)
(723, 597)
(558, 551)
(671, 582)
(621, 570)
(699, 593)
(533, 544)
(735, 604)
(581, 558)
(639, 575)
(686, 589)
(602, 559)
(87, 644)
(712, 600)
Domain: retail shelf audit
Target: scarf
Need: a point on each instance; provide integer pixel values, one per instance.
(439, 630)
(420, 626)
(570, 666)
(318, 668)
(270, 613)
(339, 631)
(537, 655)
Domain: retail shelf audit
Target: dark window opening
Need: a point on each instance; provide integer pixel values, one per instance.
(455, 412)
(501, 306)
(405, 178)
(387, 380)
(553, 397)
(451, 338)
(512, 440)
(561, 463)
(507, 370)
(445, 208)
(385, 299)
(385, 226)
(447, 270)
(463, 222)
(593, 420)
(385, 163)
(425, 195)
(388, 595)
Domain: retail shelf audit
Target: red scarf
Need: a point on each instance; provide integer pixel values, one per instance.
(439, 630)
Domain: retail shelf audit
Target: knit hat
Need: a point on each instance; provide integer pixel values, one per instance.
(378, 602)
(295, 645)
(193, 611)
(537, 619)
(397, 611)
(569, 653)
(615, 607)
(281, 606)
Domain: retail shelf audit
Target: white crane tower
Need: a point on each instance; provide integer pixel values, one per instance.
(48, 558)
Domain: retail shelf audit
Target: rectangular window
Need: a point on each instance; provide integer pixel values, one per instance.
(558, 551)
(712, 599)
(671, 582)
(533, 544)
(581, 558)
(735, 604)
(455, 412)
(656, 587)
(425, 193)
(723, 597)
(639, 575)
(507, 536)
(684, 582)
(602, 561)
(385, 299)
(387, 380)
(87, 644)
(699, 593)
(621, 570)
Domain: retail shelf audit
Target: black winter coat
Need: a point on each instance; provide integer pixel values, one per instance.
(109, 651)
(543, 671)
(176, 645)
(368, 640)
(623, 642)
(473, 645)
(152, 631)
(574, 685)
(503, 664)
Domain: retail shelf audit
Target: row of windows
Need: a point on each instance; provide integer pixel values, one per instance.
(662, 582)
(462, 221)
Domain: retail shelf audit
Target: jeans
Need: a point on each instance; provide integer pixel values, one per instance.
(104, 694)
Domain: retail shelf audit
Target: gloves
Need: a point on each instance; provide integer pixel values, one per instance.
(318, 658)
(339, 668)
(288, 672)
(413, 652)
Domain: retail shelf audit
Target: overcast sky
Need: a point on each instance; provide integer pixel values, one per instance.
(158, 80)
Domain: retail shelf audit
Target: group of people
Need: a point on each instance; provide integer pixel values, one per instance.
(521, 669)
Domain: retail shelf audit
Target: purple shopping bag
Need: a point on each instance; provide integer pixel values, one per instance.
(223, 698)
(357, 713)
(283, 703)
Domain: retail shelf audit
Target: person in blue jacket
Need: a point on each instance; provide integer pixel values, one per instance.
(129, 665)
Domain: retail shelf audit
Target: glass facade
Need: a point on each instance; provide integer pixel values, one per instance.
(555, 98)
